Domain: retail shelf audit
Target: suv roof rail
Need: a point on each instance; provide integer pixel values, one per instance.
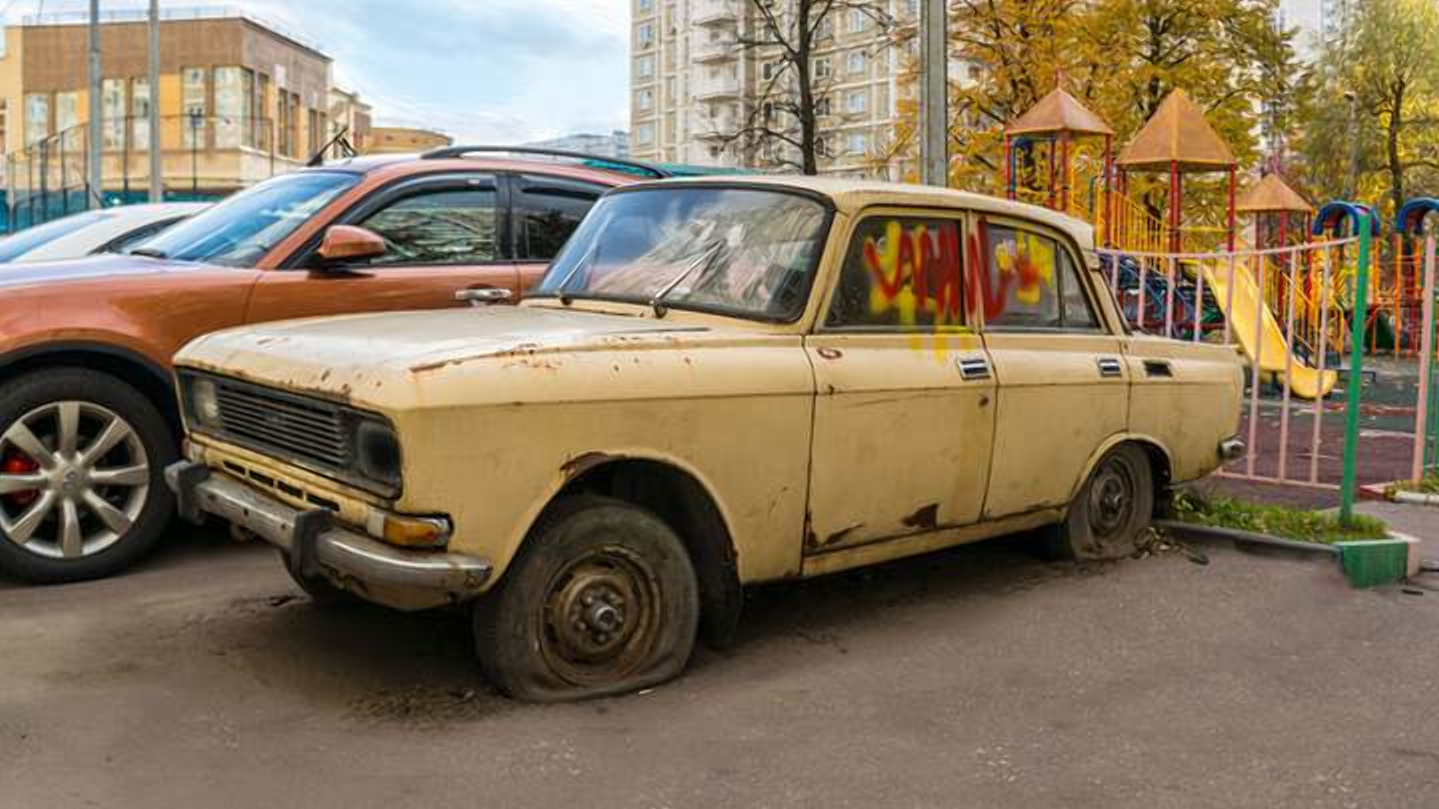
(597, 161)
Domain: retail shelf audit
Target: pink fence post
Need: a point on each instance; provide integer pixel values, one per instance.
(1229, 305)
(1257, 370)
(1169, 268)
(1199, 300)
(1139, 310)
(1316, 441)
(1426, 361)
(1288, 368)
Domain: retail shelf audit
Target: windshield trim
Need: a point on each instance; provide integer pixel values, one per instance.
(821, 239)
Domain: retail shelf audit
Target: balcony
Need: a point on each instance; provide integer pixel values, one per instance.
(721, 50)
(714, 12)
(717, 89)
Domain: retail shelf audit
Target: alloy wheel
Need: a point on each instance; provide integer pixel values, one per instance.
(74, 478)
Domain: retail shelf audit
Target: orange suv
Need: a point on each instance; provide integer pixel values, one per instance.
(87, 415)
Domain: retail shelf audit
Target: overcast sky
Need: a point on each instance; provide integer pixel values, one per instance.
(495, 71)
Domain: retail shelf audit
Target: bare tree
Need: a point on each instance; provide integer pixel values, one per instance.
(782, 116)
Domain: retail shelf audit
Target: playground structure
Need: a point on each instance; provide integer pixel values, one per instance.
(1303, 294)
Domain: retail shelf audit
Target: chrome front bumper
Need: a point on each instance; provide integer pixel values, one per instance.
(314, 545)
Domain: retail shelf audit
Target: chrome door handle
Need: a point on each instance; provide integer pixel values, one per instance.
(972, 368)
(1110, 368)
(482, 296)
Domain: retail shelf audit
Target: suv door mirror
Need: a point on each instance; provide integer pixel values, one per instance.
(349, 243)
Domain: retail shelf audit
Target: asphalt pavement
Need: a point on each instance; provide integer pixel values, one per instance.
(978, 677)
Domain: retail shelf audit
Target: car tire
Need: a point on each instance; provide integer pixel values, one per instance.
(602, 600)
(117, 521)
(1111, 513)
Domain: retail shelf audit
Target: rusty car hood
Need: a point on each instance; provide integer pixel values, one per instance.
(106, 268)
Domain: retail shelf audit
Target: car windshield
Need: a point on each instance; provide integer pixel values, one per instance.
(241, 230)
(739, 251)
(26, 241)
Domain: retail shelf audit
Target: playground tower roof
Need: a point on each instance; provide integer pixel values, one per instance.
(1057, 113)
(1177, 134)
(1272, 195)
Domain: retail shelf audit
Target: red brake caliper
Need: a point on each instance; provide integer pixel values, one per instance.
(18, 463)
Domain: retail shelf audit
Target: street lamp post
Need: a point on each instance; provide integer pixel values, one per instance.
(195, 121)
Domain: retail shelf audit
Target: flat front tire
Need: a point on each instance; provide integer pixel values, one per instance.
(82, 494)
(602, 600)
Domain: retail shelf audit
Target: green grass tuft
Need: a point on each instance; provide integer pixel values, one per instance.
(1275, 521)
(1428, 485)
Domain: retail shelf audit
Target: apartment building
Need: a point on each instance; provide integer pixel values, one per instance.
(693, 87)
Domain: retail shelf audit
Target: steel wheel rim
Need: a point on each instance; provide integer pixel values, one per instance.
(1112, 498)
(602, 617)
(74, 480)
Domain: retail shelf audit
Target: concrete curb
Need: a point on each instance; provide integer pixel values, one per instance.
(1388, 491)
(1416, 498)
(1365, 563)
(1247, 537)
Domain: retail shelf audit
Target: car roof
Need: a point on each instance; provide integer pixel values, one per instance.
(850, 196)
(399, 165)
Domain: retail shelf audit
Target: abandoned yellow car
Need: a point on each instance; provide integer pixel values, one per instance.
(717, 383)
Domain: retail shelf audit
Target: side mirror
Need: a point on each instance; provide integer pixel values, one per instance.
(344, 243)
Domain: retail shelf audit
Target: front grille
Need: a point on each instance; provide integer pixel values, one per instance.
(309, 430)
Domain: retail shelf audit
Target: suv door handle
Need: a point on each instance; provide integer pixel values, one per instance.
(482, 296)
(1110, 367)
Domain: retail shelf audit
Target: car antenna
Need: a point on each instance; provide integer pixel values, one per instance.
(340, 139)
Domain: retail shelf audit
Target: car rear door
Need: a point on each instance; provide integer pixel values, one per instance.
(1063, 381)
(546, 210)
(904, 413)
(445, 234)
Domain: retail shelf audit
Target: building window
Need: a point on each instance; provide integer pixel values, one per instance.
(858, 143)
(233, 93)
(858, 21)
(67, 113)
(855, 62)
(821, 106)
(645, 67)
(37, 118)
(821, 67)
(645, 134)
(112, 114)
(195, 98)
(646, 6)
(825, 29)
(646, 35)
(857, 102)
(140, 114)
(645, 99)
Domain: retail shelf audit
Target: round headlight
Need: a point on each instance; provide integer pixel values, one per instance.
(377, 452)
(205, 403)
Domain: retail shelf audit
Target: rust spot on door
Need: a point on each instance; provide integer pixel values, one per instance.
(581, 464)
(926, 518)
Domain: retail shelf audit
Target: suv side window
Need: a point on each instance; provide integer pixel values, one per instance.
(901, 274)
(1032, 283)
(448, 226)
(547, 211)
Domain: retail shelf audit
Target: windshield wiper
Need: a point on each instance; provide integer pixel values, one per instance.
(149, 252)
(704, 260)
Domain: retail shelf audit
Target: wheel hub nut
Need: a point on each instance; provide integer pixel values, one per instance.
(603, 617)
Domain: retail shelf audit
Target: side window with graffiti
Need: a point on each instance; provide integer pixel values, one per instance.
(1031, 283)
(901, 274)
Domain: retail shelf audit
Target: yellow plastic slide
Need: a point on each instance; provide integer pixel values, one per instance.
(1306, 382)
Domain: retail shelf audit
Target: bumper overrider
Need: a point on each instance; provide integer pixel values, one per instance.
(316, 546)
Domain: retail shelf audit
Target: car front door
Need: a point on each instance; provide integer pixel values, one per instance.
(1063, 381)
(443, 235)
(904, 410)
